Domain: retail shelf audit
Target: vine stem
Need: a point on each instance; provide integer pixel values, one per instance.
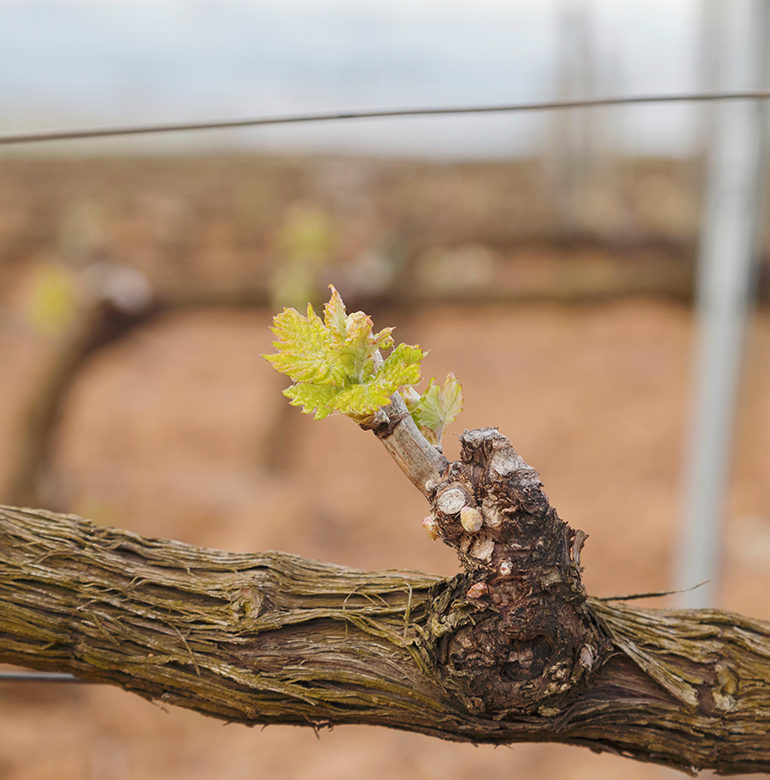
(421, 462)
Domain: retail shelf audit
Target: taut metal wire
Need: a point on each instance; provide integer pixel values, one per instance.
(557, 105)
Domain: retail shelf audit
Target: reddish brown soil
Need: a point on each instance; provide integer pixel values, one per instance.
(168, 433)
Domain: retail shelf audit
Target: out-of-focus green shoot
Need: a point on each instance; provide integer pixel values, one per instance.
(305, 246)
(53, 299)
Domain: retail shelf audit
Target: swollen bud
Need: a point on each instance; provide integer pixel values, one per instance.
(471, 519)
(431, 526)
(477, 590)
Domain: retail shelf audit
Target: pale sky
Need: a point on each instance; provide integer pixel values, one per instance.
(101, 62)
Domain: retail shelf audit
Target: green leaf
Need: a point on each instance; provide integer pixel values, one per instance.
(314, 399)
(438, 407)
(359, 401)
(401, 367)
(336, 362)
(335, 317)
(304, 347)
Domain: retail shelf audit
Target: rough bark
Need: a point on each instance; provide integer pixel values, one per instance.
(511, 650)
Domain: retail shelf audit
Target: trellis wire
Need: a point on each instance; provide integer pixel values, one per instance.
(105, 132)
(61, 677)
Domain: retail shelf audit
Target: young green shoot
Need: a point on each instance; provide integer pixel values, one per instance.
(340, 365)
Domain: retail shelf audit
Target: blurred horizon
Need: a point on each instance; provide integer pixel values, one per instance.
(89, 63)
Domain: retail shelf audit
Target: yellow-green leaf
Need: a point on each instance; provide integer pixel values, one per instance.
(53, 299)
(304, 347)
(335, 362)
(438, 407)
(335, 316)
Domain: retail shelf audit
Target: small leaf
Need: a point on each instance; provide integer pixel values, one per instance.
(361, 400)
(438, 407)
(402, 366)
(314, 399)
(304, 346)
(335, 317)
(356, 349)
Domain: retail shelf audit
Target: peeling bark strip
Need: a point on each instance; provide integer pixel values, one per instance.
(513, 650)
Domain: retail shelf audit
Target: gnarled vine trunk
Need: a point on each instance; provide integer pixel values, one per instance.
(511, 650)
